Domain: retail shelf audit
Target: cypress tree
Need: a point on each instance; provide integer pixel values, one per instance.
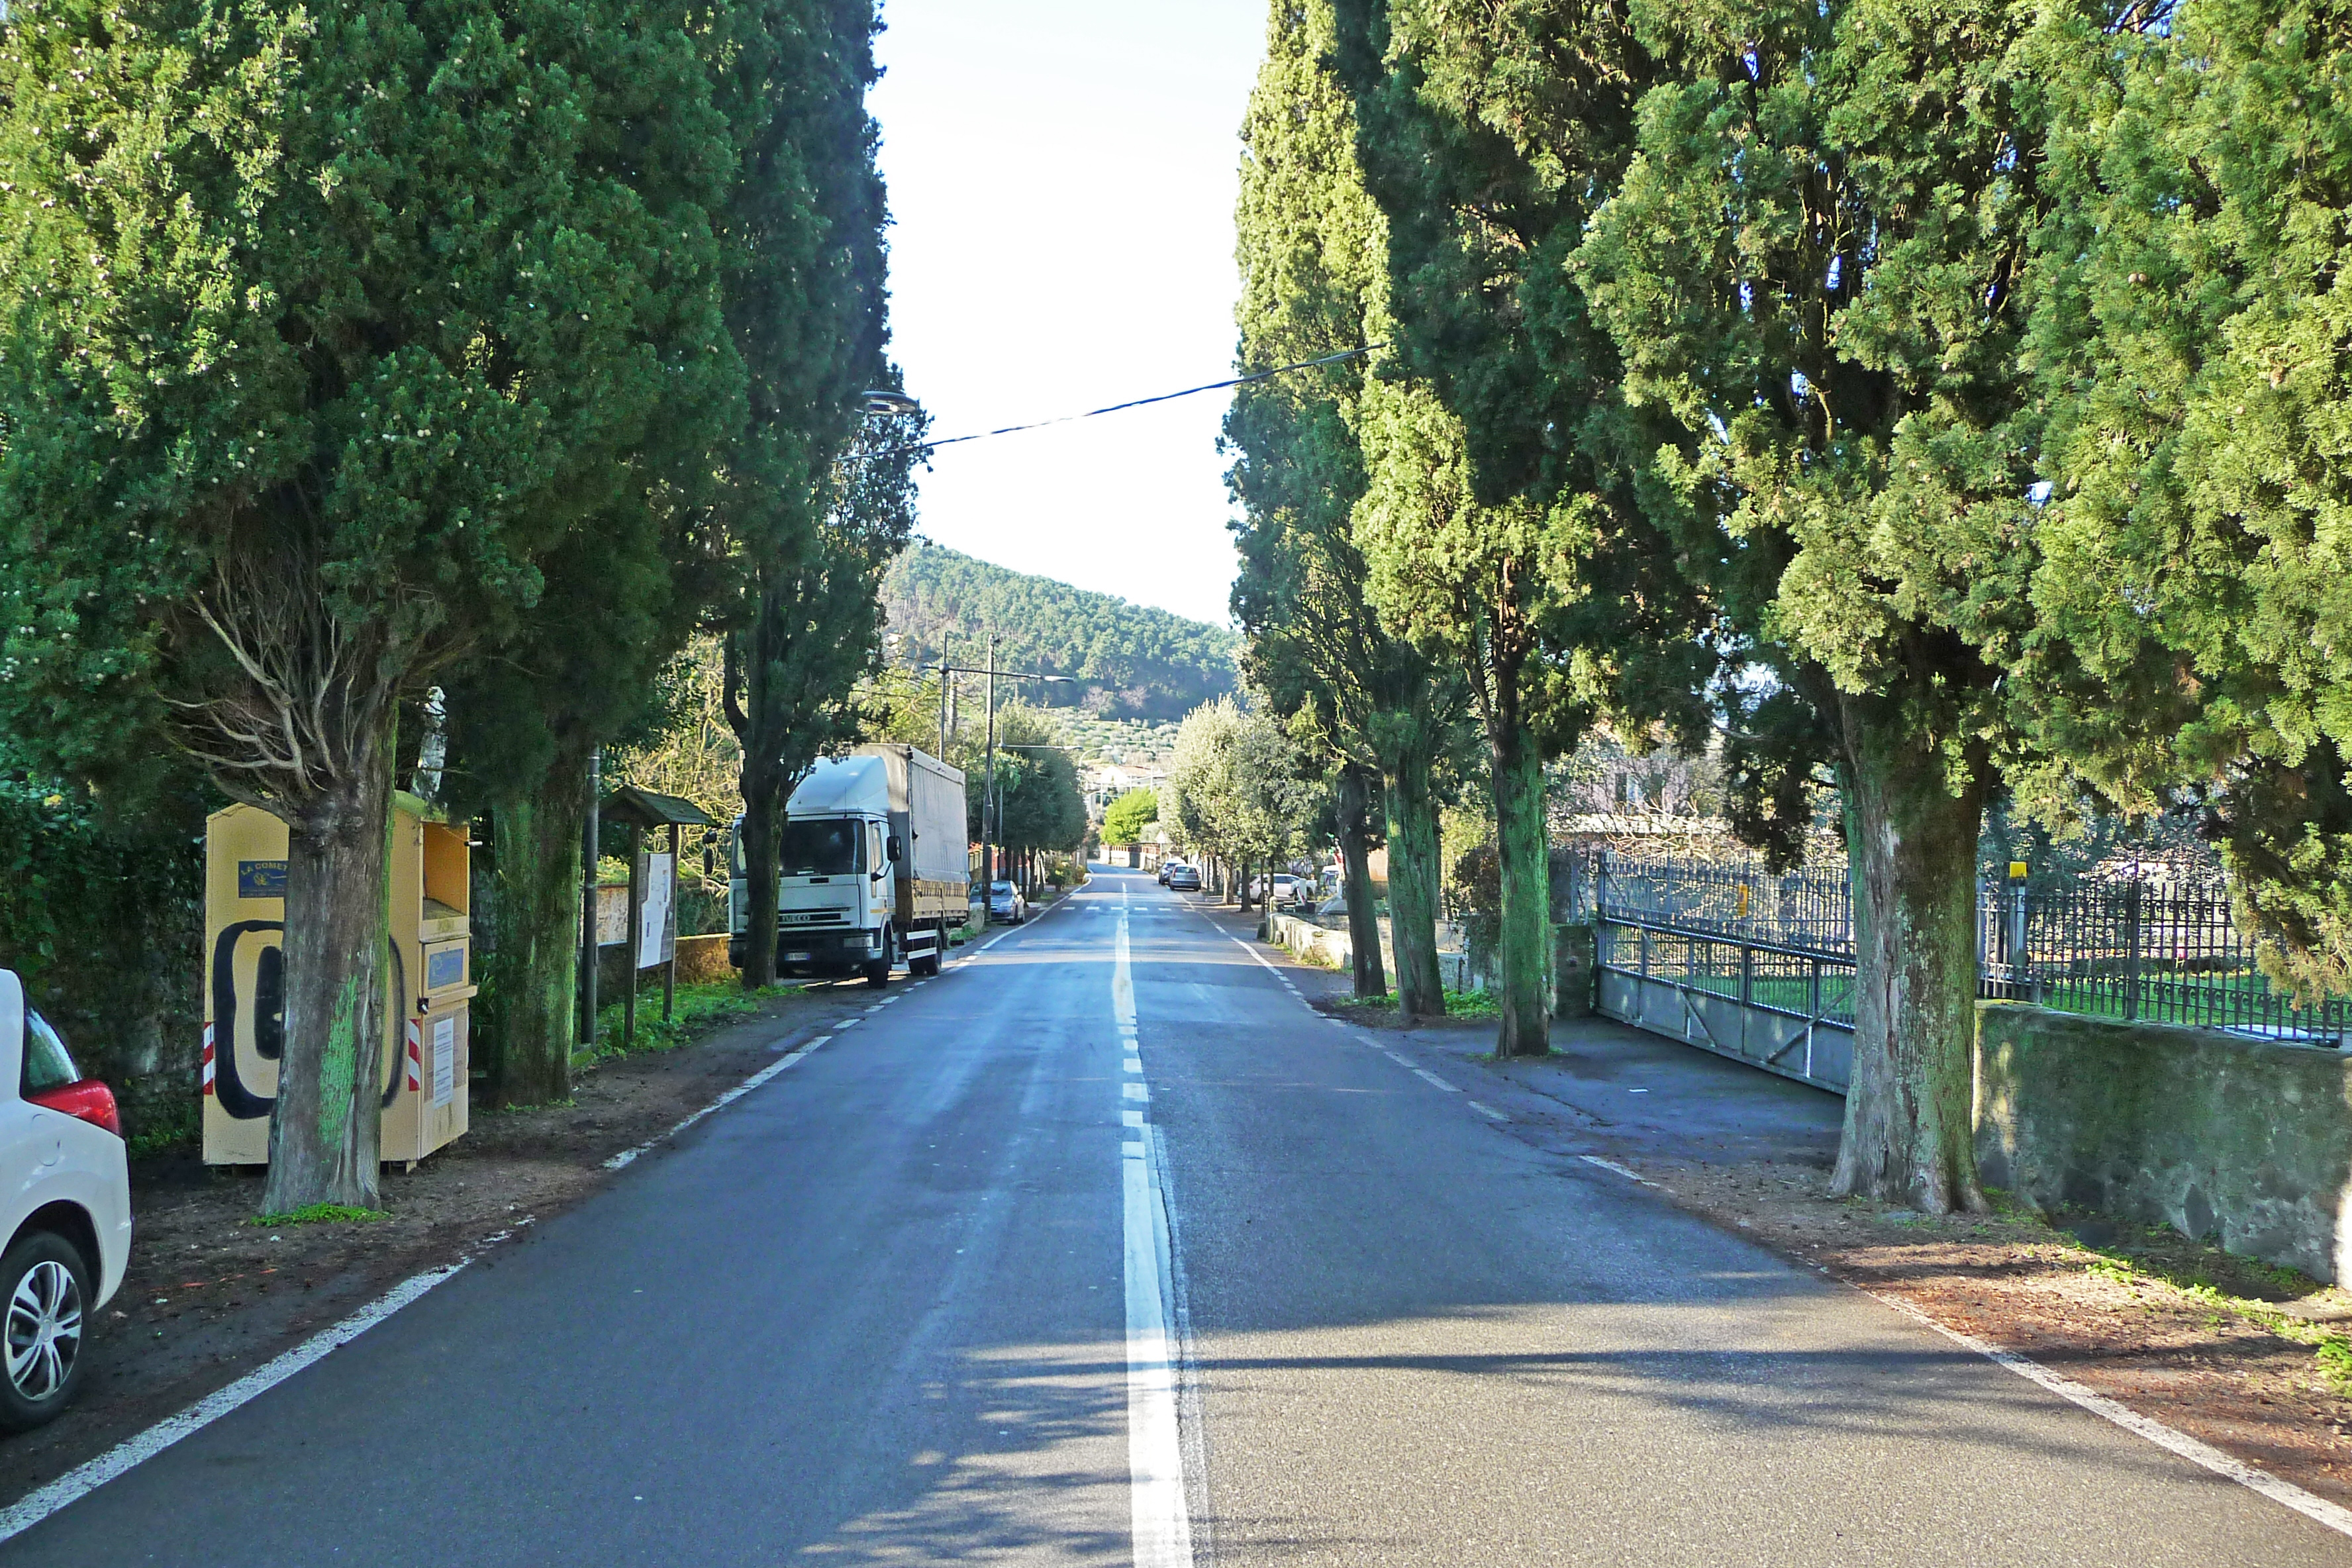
(811, 523)
(1503, 520)
(1817, 264)
(1313, 248)
(2193, 330)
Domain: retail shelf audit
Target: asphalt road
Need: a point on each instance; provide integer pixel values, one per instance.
(917, 1302)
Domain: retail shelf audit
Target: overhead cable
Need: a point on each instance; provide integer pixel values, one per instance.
(1122, 407)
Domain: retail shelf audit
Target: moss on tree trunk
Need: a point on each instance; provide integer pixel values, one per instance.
(529, 975)
(1523, 943)
(1912, 835)
(1356, 784)
(325, 1131)
(1413, 891)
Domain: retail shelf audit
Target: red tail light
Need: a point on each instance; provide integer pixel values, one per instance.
(89, 1099)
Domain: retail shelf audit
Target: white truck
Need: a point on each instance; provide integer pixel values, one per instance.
(875, 865)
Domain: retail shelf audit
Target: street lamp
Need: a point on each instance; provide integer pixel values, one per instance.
(879, 403)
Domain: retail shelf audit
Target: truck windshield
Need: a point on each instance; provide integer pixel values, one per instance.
(820, 847)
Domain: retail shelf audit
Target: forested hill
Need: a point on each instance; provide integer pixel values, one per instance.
(1136, 662)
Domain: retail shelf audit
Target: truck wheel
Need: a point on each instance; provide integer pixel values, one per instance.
(878, 972)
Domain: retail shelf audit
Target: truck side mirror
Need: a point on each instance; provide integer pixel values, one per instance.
(891, 846)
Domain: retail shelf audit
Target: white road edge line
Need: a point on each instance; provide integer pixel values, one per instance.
(1613, 1165)
(1487, 1111)
(1161, 1525)
(2316, 1509)
(2285, 1493)
(88, 1477)
(1430, 1078)
(627, 1155)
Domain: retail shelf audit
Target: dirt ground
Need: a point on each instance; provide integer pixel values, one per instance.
(209, 1296)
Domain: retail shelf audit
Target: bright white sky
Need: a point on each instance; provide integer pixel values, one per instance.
(1063, 177)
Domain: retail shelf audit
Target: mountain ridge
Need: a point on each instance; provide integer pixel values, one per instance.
(1131, 660)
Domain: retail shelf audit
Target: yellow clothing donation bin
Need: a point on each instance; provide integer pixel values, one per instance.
(427, 981)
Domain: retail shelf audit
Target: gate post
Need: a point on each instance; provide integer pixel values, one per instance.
(2131, 963)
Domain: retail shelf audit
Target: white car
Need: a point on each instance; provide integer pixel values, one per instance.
(65, 1182)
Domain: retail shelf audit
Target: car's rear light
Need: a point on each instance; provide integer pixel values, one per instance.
(89, 1099)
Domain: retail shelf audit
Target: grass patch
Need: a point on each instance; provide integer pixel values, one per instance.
(320, 1213)
(701, 1008)
(2226, 1286)
(1472, 1005)
(1458, 1003)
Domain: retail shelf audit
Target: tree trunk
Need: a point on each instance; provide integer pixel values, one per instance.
(760, 877)
(1913, 848)
(325, 1131)
(1523, 946)
(528, 976)
(1413, 891)
(1363, 912)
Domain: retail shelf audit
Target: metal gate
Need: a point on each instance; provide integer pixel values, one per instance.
(1787, 1010)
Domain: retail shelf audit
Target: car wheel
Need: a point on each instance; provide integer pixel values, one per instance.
(47, 1286)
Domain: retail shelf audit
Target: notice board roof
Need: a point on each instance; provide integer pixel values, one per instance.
(645, 809)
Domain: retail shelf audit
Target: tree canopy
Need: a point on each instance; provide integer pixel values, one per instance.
(286, 431)
(1236, 788)
(1125, 819)
(2193, 333)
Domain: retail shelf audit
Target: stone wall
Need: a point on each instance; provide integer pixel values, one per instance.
(1329, 947)
(2211, 1132)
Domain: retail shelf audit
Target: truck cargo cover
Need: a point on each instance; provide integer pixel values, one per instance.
(840, 785)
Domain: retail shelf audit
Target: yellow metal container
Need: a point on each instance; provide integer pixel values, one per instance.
(428, 983)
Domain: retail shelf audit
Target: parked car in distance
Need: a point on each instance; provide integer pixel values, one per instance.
(1005, 903)
(1182, 879)
(1290, 892)
(1166, 867)
(65, 1181)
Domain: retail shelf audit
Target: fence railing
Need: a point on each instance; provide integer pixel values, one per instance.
(2168, 952)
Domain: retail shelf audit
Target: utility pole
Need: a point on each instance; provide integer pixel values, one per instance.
(944, 679)
(988, 791)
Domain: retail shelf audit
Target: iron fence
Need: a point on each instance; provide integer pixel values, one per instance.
(2168, 952)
